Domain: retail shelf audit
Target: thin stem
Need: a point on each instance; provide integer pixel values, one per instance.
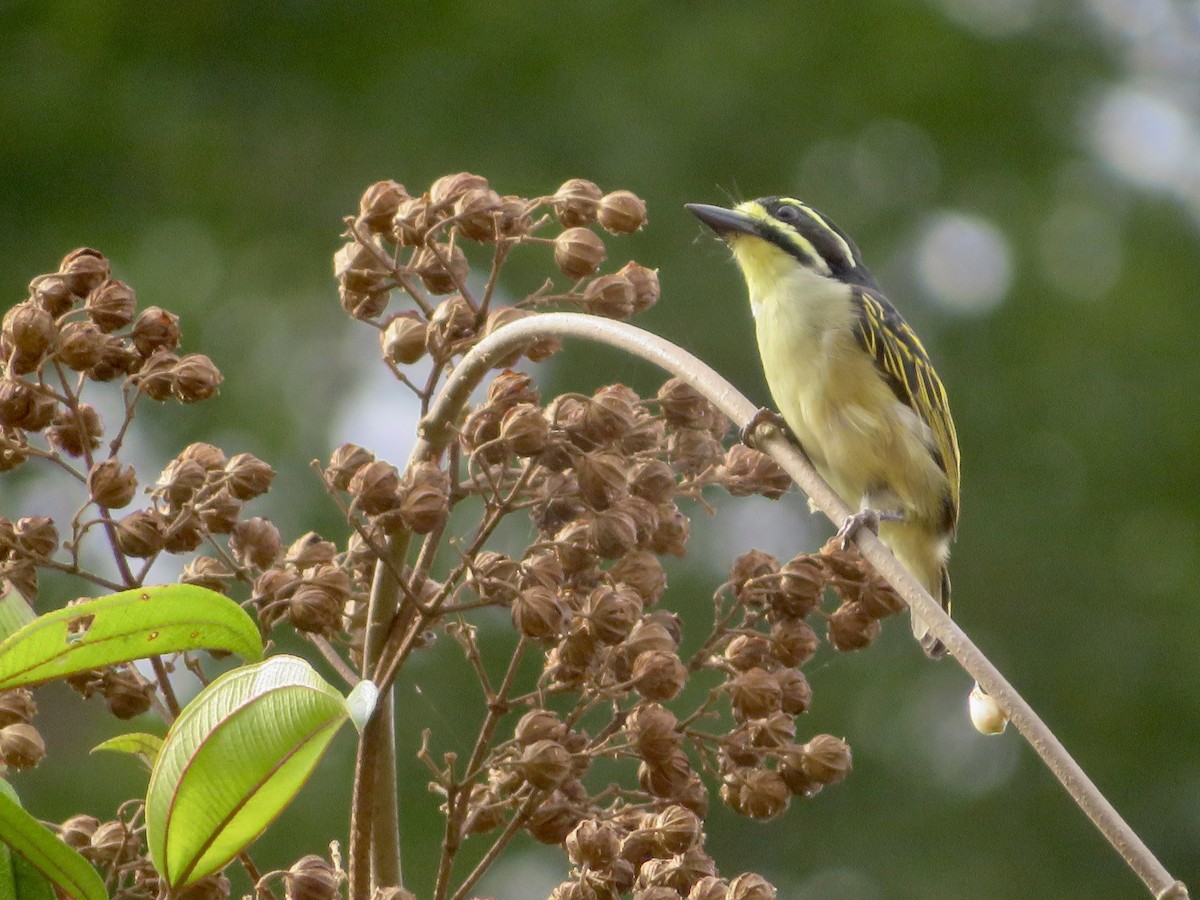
(437, 429)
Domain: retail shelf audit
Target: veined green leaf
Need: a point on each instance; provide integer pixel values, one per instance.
(143, 746)
(233, 760)
(15, 613)
(40, 848)
(123, 627)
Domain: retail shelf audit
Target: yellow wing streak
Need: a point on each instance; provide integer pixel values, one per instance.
(904, 364)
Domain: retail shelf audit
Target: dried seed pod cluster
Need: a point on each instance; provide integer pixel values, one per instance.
(614, 720)
(422, 245)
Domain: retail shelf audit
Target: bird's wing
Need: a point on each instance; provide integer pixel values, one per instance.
(902, 361)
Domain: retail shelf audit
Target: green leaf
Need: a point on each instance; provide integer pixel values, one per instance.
(41, 849)
(233, 760)
(14, 612)
(143, 746)
(123, 627)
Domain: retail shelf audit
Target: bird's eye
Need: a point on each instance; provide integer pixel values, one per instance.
(788, 214)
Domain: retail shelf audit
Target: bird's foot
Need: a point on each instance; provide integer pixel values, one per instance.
(866, 518)
(764, 416)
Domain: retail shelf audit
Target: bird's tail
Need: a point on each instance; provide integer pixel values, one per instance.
(933, 648)
(925, 557)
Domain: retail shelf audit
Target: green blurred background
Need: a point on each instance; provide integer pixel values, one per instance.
(1022, 176)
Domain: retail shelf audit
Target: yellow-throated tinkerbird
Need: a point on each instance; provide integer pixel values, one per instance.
(851, 380)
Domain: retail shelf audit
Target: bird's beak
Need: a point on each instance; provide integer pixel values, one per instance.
(725, 222)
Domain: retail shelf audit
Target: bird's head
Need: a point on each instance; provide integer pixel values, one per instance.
(773, 238)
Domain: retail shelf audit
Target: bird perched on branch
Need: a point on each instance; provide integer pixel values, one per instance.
(852, 382)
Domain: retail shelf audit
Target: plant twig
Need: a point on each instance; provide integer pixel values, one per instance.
(436, 430)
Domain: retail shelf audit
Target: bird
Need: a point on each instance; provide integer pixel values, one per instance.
(852, 382)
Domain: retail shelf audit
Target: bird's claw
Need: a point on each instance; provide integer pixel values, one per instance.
(865, 518)
(764, 416)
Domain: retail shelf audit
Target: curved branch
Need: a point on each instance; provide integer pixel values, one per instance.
(436, 430)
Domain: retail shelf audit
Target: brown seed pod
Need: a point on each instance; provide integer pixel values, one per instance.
(747, 651)
(77, 831)
(117, 359)
(17, 706)
(83, 269)
(694, 451)
(750, 575)
(826, 759)
(140, 533)
(312, 878)
(30, 331)
(447, 189)
(477, 214)
(379, 205)
(155, 329)
(539, 725)
(646, 289)
(685, 407)
(545, 764)
(525, 430)
(653, 480)
(801, 586)
(113, 843)
(754, 694)
(247, 476)
(793, 642)
(424, 497)
(538, 613)
(622, 212)
(194, 378)
(667, 778)
(344, 463)
(795, 693)
(452, 327)
(111, 305)
(21, 746)
(125, 693)
(207, 572)
(578, 252)
(756, 793)
(180, 480)
(156, 376)
(35, 537)
(593, 843)
(76, 431)
(575, 202)
(17, 398)
(658, 675)
(52, 294)
(184, 532)
(414, 220)
(554, 819)
(315, 610)
(403, 340)
(710, 887)
(255, 542)
(851, 627)
(602, 478)
(746, 471)
(111, 484)
(374, 487)
(750, 886)
(653, 729)
(611, 296)
(611, 613)
(220, 512)
(641, 571)
(442, 268)
(677, 829)
(80, 345)
(493, 576)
